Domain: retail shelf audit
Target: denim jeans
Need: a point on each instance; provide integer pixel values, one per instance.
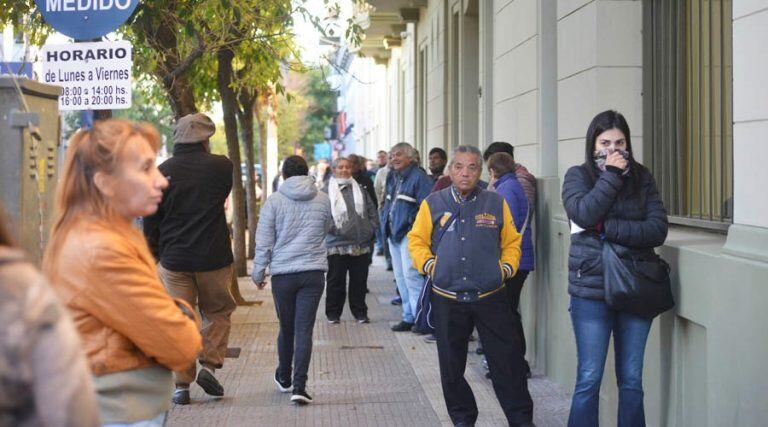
(593, 322)
(409, 281)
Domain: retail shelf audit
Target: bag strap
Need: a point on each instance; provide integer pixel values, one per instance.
(448, 224)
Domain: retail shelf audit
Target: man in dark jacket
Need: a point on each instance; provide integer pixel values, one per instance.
(365, 181)
(407, 186)
(465, 240)
(189, 236)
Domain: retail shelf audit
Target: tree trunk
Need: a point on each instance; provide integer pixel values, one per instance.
(262, 118)
(180, 95)
(229, 105)
(172, 69)
(245, 113)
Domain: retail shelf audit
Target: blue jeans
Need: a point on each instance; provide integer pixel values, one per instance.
(409, 281)
(593, 322)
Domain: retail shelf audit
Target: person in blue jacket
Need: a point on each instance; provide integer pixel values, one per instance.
(501, 168)
(407, 186)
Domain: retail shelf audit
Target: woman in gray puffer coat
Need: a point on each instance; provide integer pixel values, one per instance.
(290, 239)
(355, 218)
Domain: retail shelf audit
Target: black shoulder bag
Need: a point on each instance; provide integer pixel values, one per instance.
(636, 281)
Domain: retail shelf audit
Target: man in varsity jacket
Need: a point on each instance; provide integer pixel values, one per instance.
(465, 239)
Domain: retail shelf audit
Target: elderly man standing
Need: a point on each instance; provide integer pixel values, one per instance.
(189, 236)
(465, 239)
(407, 186)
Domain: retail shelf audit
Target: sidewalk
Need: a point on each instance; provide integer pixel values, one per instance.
(360, 375)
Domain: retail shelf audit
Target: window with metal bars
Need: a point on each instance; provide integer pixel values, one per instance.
(688, 108)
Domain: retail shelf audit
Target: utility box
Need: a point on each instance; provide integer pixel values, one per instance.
(29, 140)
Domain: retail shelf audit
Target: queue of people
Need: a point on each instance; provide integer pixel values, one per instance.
(110, 334)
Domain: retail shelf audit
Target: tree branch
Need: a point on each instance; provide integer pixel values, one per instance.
(186, 63)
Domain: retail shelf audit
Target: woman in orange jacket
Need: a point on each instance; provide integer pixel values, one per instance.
(133, 332)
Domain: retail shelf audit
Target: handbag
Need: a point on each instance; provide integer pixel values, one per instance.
(424, 309)
(636, 281)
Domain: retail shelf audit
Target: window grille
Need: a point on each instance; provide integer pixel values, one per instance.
(688, 107)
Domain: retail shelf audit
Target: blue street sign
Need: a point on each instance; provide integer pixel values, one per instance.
(322, 151)
(86, 19)
(17, 68)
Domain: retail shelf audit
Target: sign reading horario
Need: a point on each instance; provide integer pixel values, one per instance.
(93, 76)
(86, 19)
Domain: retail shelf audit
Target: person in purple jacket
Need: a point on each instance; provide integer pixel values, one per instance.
(501, 167)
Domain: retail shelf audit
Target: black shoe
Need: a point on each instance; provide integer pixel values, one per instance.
(209, 383)
(396, 301)
(181, 396)
(283, 385)
(479, 350)
(389, 268)
(334, 320)
(430, 339)
(402, 327)
(527, 368)
(363, 319)
(488, 375)
(417, 331)
(379, 253)
(300, 397)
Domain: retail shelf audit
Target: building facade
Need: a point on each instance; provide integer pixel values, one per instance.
(691, 77)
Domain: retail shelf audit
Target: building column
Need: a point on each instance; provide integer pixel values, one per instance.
(748, 236)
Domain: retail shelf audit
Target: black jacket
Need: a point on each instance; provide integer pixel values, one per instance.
(189, 230)
(609, 209)
(367, 184)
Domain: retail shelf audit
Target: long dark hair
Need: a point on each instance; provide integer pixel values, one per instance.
(607, 120)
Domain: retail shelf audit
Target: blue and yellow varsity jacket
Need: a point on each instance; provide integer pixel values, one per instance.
(479, 249)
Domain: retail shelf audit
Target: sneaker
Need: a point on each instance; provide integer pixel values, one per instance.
(283, 385)
(417, 331)
(181, 396)
(430, 339)
(363, 320)
(402, 327)
(334, 320)
(300, 396)
(396, 301)
(209, 383)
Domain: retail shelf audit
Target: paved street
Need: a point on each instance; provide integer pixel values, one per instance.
(361, 375)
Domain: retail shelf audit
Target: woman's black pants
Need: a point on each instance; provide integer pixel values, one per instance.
(336, 287)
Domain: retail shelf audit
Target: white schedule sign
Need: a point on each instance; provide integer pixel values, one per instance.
(94, 76)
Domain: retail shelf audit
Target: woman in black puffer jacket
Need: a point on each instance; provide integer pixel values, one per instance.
(614, 198)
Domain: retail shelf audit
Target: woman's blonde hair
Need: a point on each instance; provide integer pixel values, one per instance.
(100, 149)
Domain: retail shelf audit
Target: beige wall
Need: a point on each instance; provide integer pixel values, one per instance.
(750, 111)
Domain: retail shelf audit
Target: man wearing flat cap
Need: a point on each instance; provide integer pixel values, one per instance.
(189, 236)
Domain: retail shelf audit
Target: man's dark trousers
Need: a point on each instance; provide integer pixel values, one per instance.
(336, 292)
(296, 298)
(454, 322)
